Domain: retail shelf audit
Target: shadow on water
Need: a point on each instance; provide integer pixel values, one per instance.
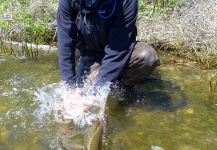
(159, 94)
(154, 94)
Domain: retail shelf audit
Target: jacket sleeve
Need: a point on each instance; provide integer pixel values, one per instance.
(67, 39)
(122, 38)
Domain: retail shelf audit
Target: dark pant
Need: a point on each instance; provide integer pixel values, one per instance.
(142, 63)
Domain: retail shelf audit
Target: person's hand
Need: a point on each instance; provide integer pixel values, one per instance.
(75, 104)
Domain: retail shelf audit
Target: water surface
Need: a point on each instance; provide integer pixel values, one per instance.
(175, 111)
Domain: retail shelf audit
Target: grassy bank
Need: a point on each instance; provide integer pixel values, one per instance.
(26, 21)
(188, 29)
(185, 28)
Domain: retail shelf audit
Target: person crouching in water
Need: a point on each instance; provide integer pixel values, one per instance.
(104, 32)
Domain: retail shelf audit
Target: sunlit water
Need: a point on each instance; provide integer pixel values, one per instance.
(172, 110)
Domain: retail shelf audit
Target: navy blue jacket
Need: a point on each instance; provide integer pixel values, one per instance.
(110, 40)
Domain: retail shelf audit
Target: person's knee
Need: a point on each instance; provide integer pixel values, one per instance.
(147, 55)
(143, 61)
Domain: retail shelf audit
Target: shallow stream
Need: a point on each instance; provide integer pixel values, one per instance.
(174, 109)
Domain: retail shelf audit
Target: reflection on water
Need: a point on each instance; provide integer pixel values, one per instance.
(170, 110)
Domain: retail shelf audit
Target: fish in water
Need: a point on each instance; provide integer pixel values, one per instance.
(93, 137)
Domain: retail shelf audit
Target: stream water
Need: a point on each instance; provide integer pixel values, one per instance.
(173, 109)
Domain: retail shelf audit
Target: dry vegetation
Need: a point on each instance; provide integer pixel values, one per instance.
(190, 31)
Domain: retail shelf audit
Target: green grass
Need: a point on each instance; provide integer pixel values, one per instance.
(157, 6)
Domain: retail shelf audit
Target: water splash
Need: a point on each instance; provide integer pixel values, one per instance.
(61, 104)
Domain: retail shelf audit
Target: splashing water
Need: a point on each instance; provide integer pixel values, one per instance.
(68, 104)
